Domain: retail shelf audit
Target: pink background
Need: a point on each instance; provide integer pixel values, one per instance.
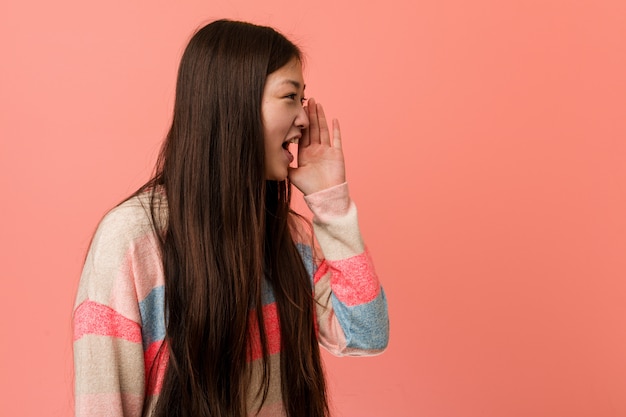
(486, 150)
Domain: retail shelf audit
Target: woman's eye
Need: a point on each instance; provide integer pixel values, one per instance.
(294, 97)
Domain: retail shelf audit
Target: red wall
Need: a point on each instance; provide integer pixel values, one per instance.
(486, 149)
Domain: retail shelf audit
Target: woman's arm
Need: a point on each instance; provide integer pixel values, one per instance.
(351, 305)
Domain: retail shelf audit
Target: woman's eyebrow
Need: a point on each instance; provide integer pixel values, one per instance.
(295, 84)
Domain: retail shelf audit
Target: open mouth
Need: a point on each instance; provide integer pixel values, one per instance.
(289, 141)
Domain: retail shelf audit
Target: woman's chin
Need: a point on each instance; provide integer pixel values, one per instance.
(277, 176)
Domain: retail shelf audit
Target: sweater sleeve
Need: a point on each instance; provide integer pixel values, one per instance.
(351, 307)
(117, 317)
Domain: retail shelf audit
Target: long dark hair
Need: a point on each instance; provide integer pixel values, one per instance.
(227, 230)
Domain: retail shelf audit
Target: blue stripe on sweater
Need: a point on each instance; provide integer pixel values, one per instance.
(267, 293)
(306, 253)
(151, 309)
(366, 326)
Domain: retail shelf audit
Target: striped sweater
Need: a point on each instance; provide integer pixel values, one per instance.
(119, 318)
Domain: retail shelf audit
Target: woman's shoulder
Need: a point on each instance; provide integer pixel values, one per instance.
(134, 217)
(124, 246)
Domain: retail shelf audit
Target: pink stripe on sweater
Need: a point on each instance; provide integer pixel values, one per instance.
(97, 319)
(272, 331)
(353, 280)
(155, 360)
(321, 271)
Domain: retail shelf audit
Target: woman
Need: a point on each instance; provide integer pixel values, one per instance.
(166, 321)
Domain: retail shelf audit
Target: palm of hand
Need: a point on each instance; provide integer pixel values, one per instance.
(320, 160)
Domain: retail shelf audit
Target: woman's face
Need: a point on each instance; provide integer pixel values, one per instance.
(283, 117)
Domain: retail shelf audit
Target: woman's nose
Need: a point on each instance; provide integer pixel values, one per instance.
(302, 120)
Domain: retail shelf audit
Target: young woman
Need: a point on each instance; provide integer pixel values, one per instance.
(180, 276)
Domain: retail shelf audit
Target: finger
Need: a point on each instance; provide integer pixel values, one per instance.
(314, 127)
(323, 126)
(336, 134)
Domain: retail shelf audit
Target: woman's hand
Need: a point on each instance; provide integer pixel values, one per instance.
(320, 160)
